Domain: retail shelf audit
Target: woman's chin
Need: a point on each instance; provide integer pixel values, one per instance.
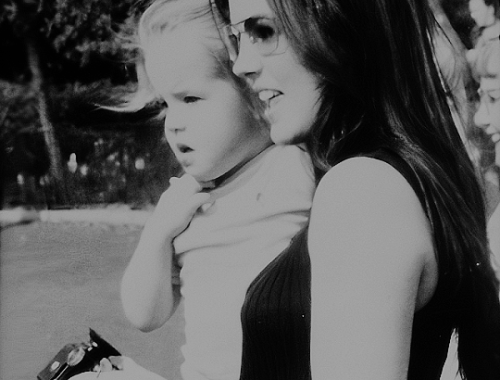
(285, 134)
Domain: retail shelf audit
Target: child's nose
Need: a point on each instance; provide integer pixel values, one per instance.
(174, 123)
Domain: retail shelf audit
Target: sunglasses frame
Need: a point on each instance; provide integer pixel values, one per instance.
(233, 34)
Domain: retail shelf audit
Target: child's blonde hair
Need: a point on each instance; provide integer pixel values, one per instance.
(163, 16)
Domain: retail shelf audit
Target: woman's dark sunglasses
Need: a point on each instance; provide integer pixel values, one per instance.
(262, 32)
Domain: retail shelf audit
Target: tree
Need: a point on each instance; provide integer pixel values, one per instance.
(61, 40)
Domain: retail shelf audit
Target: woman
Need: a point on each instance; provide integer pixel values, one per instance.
(397, 235)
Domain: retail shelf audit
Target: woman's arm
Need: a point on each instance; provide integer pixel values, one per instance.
(148, 296)
(372, 266)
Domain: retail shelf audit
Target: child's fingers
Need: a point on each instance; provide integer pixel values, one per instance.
(183, 186)
(189, 182)
(118, 362)
(198, 200)
(105, 365)
(187, 189)
(177, 205)
(174, 181)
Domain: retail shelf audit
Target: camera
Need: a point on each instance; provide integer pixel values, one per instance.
(75, 358)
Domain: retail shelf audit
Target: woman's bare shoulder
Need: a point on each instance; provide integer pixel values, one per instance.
(369, 244)
(368, 201)
(362, 173)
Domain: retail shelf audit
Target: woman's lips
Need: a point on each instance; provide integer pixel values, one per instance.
(269, 96)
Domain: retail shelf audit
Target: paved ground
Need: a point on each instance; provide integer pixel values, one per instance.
(60, 275)
(58, 279)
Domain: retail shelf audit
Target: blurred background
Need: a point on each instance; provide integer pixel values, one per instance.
(62, 153)
(64, 59)
(62, 62)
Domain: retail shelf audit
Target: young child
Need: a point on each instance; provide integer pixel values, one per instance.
(239, 204)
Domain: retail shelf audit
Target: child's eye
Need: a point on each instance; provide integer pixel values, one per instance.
(490, 96)
(190, 99)
(494, 94)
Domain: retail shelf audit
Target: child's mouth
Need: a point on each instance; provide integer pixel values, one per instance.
(184, 148)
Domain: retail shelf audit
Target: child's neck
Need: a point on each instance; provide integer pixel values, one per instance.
(234, 172)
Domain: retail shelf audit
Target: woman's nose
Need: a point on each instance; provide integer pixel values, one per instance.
(482, 116)
(248, 63)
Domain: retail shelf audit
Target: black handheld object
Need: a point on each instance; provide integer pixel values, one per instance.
(75, 358)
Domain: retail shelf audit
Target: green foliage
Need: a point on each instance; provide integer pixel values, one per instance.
(70, 34)
(22, 146)
(78, 29)
(18, 110)
(108, 146)
(80, 44)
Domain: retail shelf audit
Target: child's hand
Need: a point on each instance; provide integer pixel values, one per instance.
(178, 204)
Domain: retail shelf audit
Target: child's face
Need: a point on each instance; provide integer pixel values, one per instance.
(208, 125)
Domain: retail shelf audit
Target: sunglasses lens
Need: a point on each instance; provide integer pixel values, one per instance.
(263, 33)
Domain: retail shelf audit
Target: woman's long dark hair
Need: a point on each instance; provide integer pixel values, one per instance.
(381, 88)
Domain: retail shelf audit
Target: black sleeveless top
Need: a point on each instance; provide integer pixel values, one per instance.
(276, 316)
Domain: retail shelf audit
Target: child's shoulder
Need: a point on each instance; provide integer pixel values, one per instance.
(290, 157)
(288, 169)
